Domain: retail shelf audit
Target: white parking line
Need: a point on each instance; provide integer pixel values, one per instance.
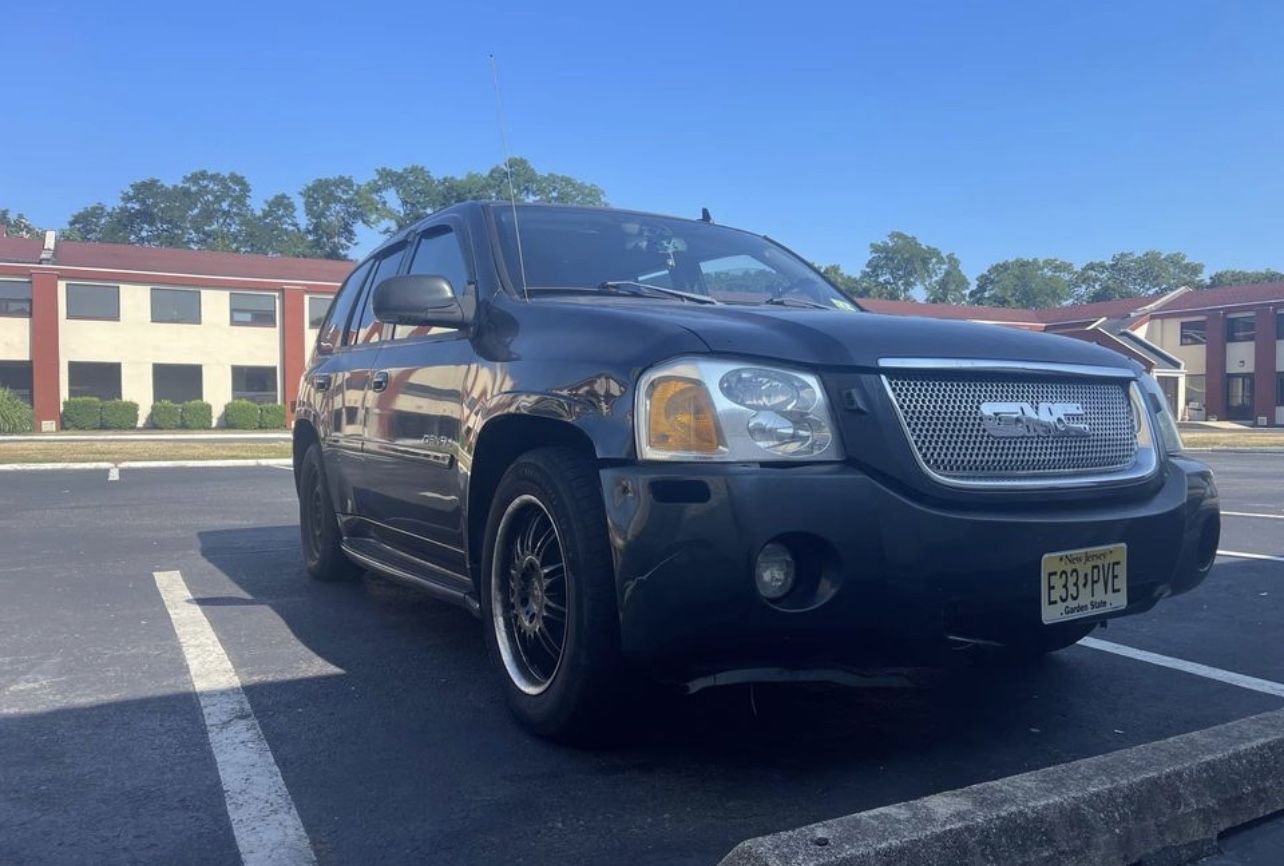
(1239, 554)
(264, 821)
(1234, 679)
(1253, 514)
(113, 474)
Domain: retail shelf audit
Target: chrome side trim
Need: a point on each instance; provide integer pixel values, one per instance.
(974, 365)
(1145, 466)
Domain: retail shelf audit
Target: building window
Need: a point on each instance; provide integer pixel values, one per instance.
(256, 384)
(1195, 391)
(1241, 329)
(1192, 333)
(1279, 326)
(15, 298)
(177, 383)
(16, 376)
(1279, 389)
(93, 379)
(93, 302)
(257, 310)
(176, 305)
(318, 306)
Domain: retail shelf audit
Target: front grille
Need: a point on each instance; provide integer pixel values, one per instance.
(942, 415)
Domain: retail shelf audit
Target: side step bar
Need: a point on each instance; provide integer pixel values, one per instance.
(403, 568)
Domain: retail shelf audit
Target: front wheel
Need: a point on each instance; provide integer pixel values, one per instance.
(548, 595)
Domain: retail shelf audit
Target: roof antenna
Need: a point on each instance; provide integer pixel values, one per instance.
(508, 170)
(705, 216)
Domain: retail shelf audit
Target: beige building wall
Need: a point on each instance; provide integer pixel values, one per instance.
(136, 343)
(15, 339)
(1240, 357)
(1166, 333)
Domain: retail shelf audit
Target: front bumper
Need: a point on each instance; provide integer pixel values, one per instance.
(894, 576)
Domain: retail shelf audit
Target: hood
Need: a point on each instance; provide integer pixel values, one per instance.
(847, 339)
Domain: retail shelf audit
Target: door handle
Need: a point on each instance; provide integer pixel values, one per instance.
(380, 381)
(321, 381)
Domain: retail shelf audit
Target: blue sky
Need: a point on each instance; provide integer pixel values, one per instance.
(991, 130)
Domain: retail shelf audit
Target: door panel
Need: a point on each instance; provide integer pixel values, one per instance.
(352, 392)
(413, 425)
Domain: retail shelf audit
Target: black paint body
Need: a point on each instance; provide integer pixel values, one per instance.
(906, 562)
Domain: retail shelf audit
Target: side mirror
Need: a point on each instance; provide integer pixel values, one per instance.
(418, 299)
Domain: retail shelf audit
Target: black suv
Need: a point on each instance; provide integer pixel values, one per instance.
(640, 446)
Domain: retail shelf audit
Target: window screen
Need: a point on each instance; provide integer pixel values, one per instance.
(93, 302)
(176, 305)
(257, 309)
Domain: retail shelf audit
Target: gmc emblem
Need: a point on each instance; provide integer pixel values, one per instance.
(1041, 420)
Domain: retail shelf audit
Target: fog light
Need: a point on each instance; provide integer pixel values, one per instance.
(774, 571)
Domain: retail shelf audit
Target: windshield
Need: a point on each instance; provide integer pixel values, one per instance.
(566, 248)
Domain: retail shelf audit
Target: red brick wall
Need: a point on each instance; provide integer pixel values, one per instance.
(1264, 365)
(46, 360)
(1215, 365)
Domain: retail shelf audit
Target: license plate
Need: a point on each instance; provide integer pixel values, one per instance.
(1087, 582)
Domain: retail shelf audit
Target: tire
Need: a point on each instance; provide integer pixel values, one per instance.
(546, 554)
(318, 527)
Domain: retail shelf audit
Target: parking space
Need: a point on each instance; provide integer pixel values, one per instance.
(388, 728)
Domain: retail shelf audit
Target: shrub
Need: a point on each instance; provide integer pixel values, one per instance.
(166, 415)
(241, 415)
(15, 414)
(272, 416)
(120, 414)
(82, 413)
(197, 415)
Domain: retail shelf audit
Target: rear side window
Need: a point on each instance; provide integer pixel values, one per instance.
(437, 254)
(366, 328)
(337, 319)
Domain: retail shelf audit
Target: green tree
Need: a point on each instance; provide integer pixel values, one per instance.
(951, 287)
(218, 211)
(848, 284)
(1133, 275)
(16, 225)
(1028, 283)
(274, 229)
(94, 223)
(1232, 277)
(333, 207)
(399, 197)
(900, 266)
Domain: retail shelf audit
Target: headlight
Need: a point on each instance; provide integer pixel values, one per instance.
(717, 409)
(1164, 419)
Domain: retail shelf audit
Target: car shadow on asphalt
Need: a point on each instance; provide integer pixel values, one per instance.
(417, 716)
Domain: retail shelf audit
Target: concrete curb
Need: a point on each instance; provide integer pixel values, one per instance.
(1108, 810)
(145, 437)
(145, 464)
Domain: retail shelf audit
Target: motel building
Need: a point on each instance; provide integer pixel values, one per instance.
(145, 324)
(1218, 354)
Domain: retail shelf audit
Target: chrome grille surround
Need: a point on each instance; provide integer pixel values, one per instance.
(938, 403)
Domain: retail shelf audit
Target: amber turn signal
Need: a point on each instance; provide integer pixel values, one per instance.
(682, 418)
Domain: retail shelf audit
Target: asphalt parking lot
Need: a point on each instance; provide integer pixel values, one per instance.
(388, 727)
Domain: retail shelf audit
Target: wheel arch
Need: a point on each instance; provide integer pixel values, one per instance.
(500, 443)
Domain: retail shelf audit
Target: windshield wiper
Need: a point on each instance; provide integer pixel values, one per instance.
(642, 288)
(782, 301)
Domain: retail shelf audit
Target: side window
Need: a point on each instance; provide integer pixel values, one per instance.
(438, 253)
(365, 328)
(337, 320)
